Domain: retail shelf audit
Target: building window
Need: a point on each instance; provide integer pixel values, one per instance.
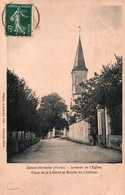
(80, 79)
(76, 80)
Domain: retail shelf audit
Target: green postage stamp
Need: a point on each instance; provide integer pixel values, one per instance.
(18, 19)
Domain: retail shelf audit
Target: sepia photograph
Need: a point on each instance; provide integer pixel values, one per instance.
(64, 82)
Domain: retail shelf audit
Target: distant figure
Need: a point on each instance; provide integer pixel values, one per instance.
(18, 27)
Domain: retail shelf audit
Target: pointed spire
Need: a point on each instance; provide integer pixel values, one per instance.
(79, 63)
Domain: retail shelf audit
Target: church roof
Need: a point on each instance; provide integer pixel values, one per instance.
(79, 63)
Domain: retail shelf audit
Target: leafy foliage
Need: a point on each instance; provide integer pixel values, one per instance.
(22, 112)
(104, 89)
(51, 111)
(21, 105)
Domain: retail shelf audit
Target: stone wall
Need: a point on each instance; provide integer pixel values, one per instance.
(115, 142)
(79, 132)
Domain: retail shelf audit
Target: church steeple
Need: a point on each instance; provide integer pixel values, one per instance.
(79, 63)
(79, 73)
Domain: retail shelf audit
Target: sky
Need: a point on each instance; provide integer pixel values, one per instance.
(46, 59)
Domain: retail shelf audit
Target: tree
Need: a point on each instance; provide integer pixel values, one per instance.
(22, 105)
(104, 89)
(52, 110)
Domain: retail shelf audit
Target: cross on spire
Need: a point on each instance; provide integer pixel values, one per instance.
(79, 30)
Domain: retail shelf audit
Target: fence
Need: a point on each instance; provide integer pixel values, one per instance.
(110, 127)
(58, 133)
(54, 133)
(18, 141)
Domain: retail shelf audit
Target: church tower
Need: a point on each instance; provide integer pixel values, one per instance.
(79, 73)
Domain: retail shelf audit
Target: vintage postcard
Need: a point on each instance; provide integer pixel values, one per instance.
(62, 97)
